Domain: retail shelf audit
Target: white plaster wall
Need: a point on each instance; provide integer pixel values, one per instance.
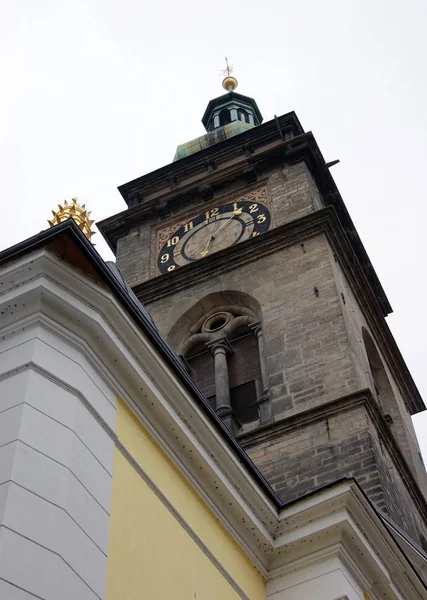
(327, 579)
(56, 463)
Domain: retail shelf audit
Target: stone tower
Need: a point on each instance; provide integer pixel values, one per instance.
(244, 253)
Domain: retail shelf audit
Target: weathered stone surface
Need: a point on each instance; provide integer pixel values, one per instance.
(313, 454)
(320, 346)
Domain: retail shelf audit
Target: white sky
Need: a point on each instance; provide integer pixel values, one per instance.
(97, 92)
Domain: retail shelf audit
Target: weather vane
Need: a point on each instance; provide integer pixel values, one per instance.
(229, 82)
(228, 69)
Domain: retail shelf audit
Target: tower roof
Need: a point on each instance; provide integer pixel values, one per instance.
(228, 98)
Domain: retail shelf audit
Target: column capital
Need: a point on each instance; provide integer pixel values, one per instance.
(256, 328)
(220, 346)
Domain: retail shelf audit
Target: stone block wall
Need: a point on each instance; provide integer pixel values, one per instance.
(306, 344)
(293, 193)
(134, 256)
(307, 454)
(314, 335)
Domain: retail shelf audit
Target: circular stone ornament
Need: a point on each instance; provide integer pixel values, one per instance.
(216, 322)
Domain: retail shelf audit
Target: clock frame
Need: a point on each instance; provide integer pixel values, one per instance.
(212, 229)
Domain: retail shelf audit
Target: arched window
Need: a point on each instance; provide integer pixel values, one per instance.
(202, 369)
(224, 117)
(381, 381)
(382, 384)
(244, 371)
(223, 350)
(242, 115)
(386, 398)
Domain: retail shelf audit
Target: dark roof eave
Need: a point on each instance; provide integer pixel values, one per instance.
(185, 165)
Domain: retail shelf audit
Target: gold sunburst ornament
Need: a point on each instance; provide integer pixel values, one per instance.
(75, 211)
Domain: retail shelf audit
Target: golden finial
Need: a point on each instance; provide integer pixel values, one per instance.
(229, 83)
(75, 211)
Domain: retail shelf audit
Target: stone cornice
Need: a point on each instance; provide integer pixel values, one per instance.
(311, 416)
(244, 253)
(161, 194)
(324, 221)
(223, 152)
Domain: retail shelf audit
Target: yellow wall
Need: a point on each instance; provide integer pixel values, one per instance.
(151, 556)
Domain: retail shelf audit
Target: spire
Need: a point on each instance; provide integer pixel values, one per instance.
(231, 107)
(75, 211)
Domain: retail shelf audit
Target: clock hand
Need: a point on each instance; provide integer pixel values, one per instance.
(202, 244)
(206, 248)
(216, 231)
(236, 212)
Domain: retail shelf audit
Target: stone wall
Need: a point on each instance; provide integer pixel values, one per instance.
(314, 335)
(133, 255)
(306, 343)
(307, 454)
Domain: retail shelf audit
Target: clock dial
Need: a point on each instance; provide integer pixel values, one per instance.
(213, 230)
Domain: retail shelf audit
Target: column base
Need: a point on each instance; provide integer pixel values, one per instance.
(225, 413)
(264, 408)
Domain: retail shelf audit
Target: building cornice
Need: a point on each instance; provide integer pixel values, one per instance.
(190, 169)
(48, 293)
(88, 316)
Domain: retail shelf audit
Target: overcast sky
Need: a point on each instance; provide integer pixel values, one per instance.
(96, 93)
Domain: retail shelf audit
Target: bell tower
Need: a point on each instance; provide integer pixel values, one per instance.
(244, 254)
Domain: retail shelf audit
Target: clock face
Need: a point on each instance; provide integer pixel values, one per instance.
(213, 230)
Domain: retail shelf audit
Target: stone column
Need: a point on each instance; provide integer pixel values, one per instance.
(257, 330)
(263, 400)
(220, 349)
